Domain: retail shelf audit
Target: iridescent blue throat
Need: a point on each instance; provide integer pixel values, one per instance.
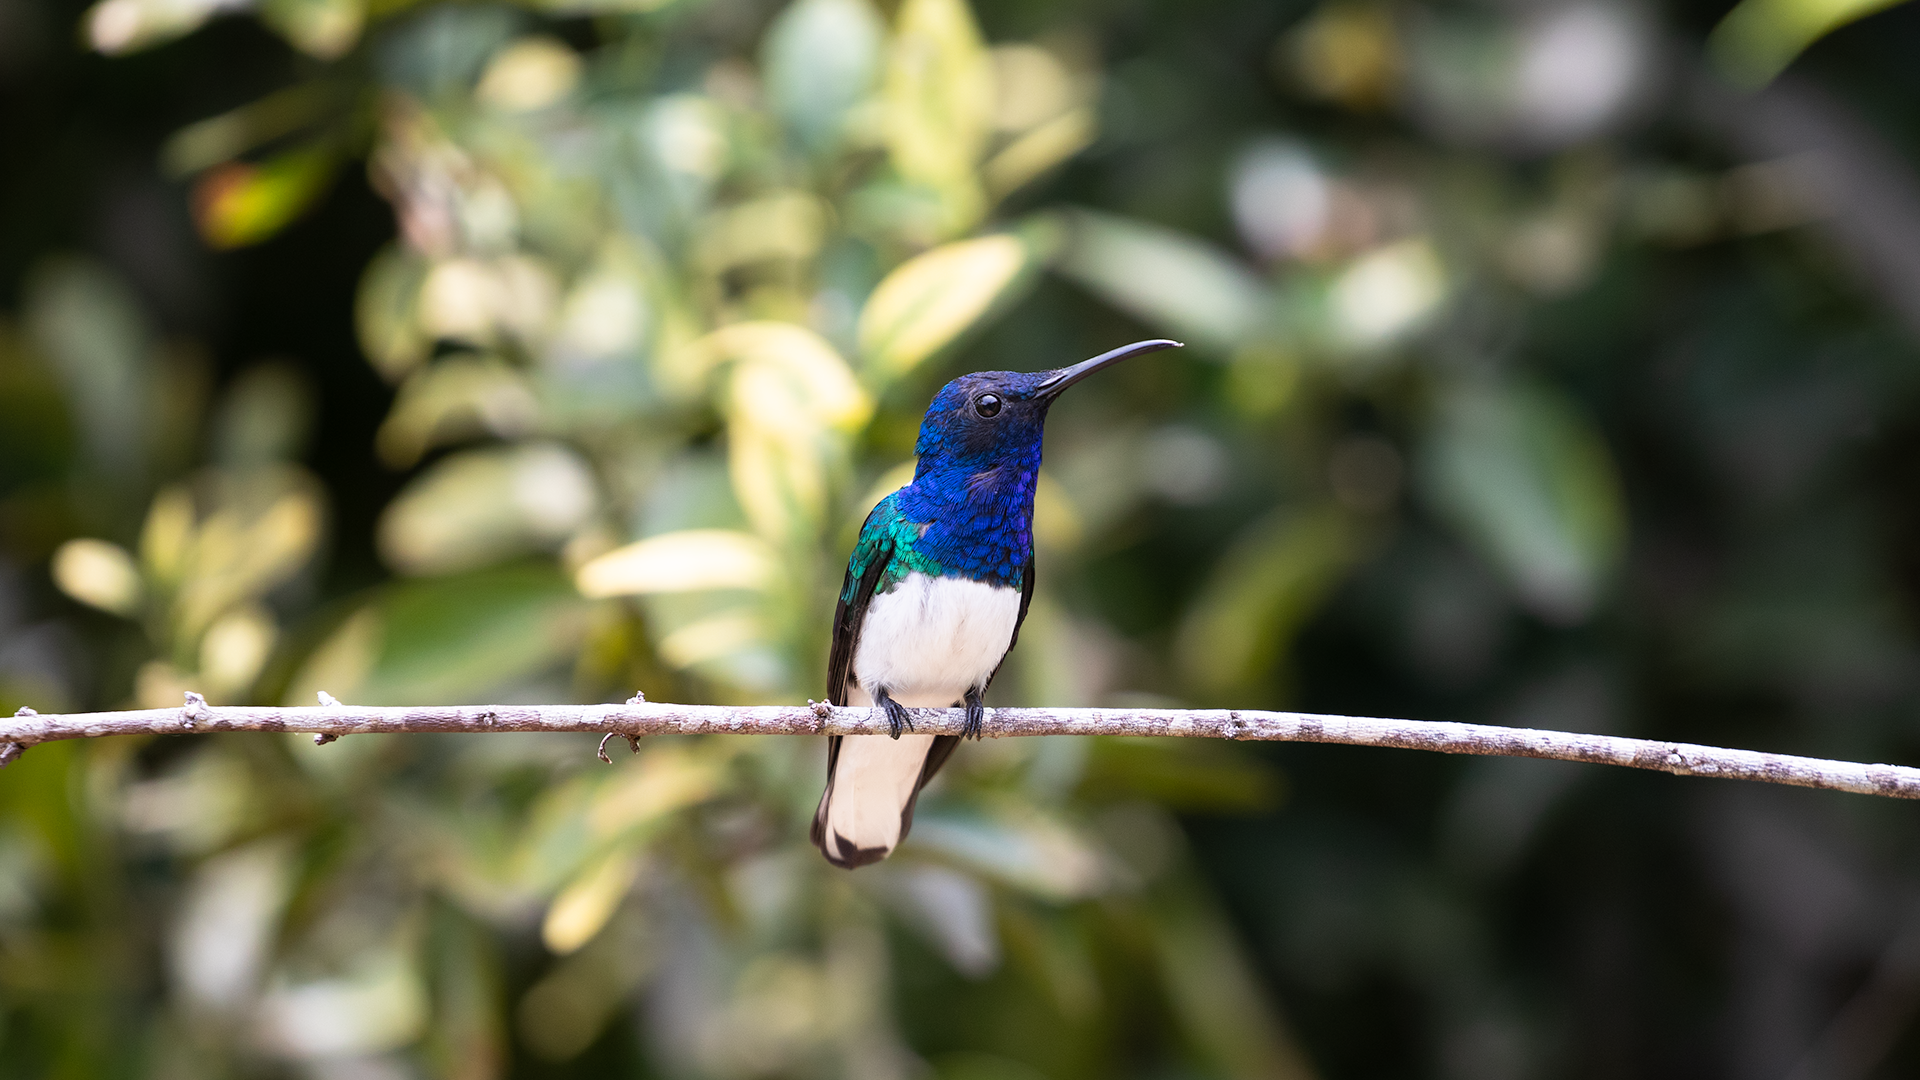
(979, 520)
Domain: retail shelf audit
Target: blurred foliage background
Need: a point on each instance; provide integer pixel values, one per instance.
(1549, 363)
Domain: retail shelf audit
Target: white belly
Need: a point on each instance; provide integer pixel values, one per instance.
(930, 640)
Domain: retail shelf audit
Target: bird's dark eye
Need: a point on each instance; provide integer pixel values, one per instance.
(987, 404)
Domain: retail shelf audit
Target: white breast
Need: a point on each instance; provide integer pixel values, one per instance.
(931, 639)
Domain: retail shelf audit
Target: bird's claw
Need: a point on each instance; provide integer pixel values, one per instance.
(898, 718)
(976, 721)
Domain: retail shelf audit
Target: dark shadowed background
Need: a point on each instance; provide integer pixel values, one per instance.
(1550, 364)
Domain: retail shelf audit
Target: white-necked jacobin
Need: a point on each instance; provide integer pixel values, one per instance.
(935, 593)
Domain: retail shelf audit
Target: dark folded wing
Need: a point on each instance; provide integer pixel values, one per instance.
(848, 616)
(850, 613)
(1026, 601)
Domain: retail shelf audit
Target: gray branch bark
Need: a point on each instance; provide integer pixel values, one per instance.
(637, 718)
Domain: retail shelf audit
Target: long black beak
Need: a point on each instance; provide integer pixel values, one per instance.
(1058, 381)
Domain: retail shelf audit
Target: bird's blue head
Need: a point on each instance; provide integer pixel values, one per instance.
(972, 492)
(991, 418)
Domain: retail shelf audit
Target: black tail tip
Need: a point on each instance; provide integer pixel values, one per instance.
(844, 855)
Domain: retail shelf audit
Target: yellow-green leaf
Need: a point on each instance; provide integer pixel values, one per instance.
(791, 400)
(1527, 480)
(787, 225)
(209, 142)
(1387, 293)
(821, 385)
(684, 561)
(386, 312)
(939, 102)
(932, 299)
(529, 74)
(234, 649)
(776, 456)
(123, 26)
(239, 203)
(713, 638)
(99, 574)
(1217, 999)
(324, 29)
(167, 536)
(588, 901)
(481, 506)
(1259, 594)
(669, 778)
(1039, 150)
(261, 525)
(1759, 38)
(455, 399)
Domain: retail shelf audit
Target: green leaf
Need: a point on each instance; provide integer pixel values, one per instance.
(1215, 994)
(1023, 847)
(116, 27)
(455, 399)
(472, 637)
(1182, 284)
(615, 814)
(481, 506)
(1260, 593)
(686, 144)
(379, 1004)
(221, 138)
(266, 416)
(386, 312)
(1528, 481)
(324, 29)
(90, 326)
(820, 59)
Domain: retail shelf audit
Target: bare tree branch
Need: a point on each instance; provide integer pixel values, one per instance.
(638, 717)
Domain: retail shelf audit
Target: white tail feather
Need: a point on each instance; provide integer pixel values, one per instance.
(872, 781)
(874, 778)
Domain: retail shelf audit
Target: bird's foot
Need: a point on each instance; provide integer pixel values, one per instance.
(976, 720)
(898, 719)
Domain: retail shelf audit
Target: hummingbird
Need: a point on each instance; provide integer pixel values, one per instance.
(935, 593)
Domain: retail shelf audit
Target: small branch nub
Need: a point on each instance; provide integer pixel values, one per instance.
(10, 751)
(194, 709)
(633, 744)
(327, 701)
